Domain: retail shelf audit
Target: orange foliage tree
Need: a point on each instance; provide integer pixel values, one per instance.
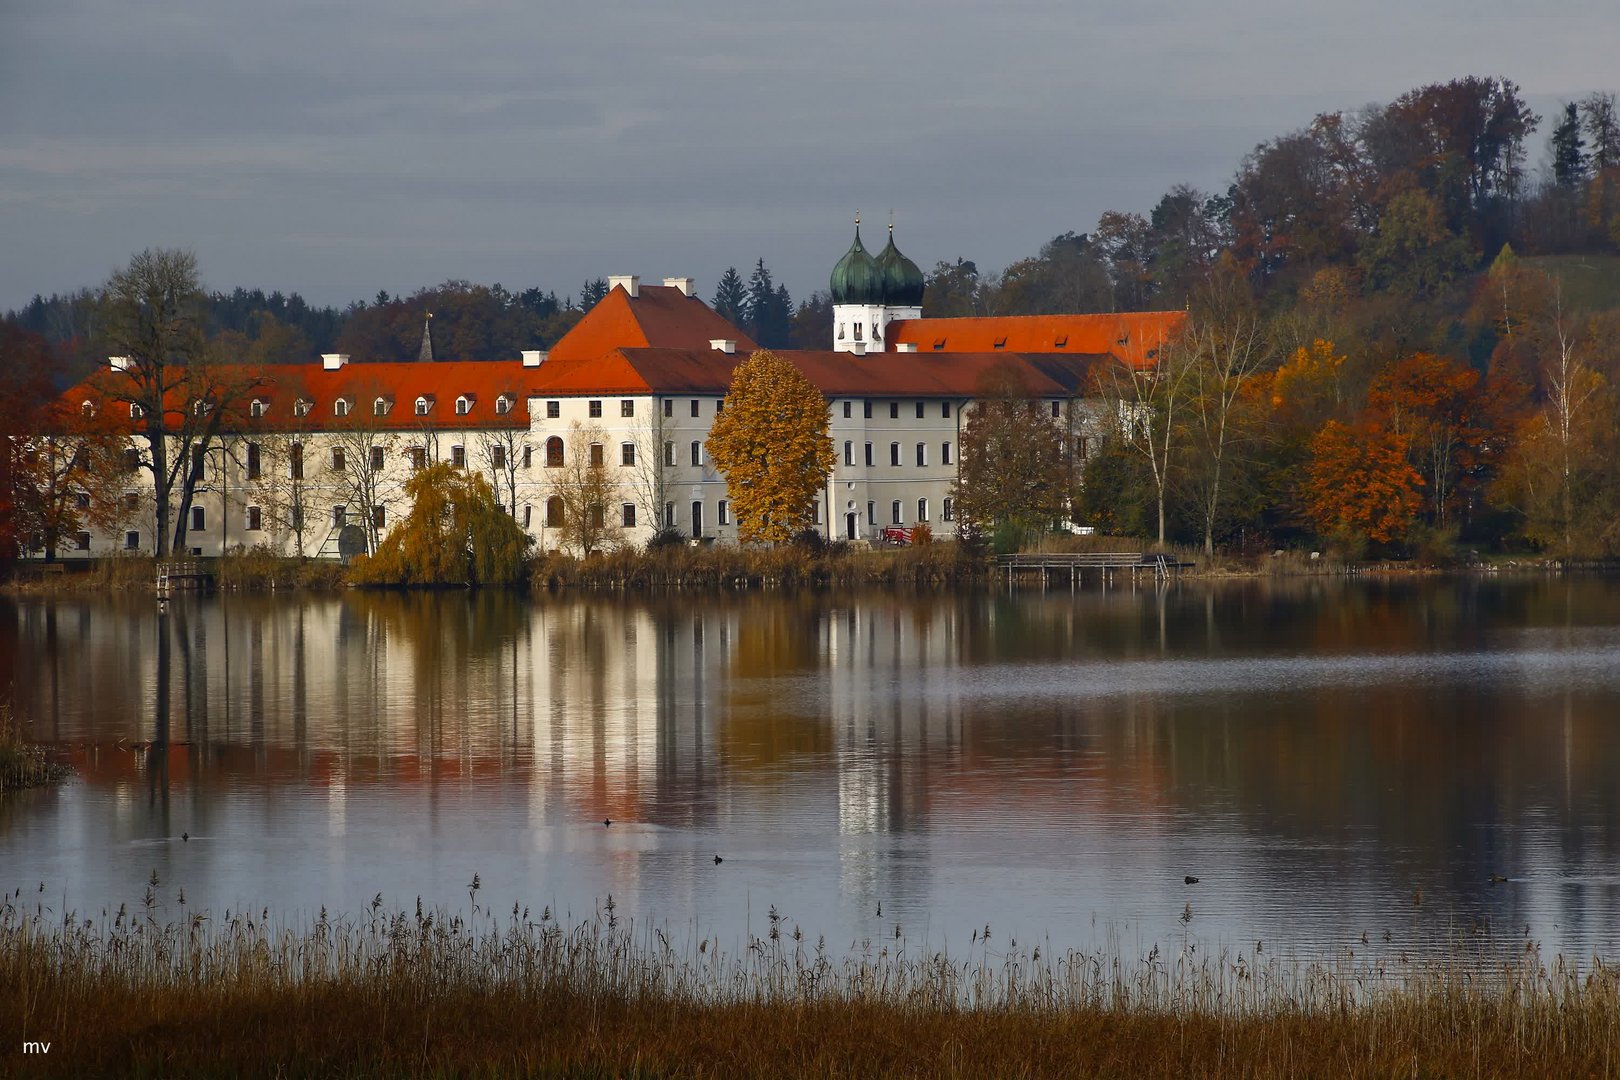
(1359, 482)
(771, 442)
(1439, 406)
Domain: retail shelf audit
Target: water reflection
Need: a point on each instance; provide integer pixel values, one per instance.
(1317, 752)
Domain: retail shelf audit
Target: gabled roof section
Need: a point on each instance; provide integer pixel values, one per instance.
(1134, 337)
(634, 372)
(660, 317)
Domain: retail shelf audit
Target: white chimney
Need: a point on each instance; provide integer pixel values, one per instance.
(906, 346)
(685, 284)
(118, 363)
(534, 357)
(725, 345)
(630, 282)
(331, 361)
(859, 348)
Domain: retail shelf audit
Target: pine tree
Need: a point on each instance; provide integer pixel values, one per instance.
(730, 298)
(768, 313)
(591, 292)
(1569, 150)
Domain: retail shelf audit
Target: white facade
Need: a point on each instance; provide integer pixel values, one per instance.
(863, 328)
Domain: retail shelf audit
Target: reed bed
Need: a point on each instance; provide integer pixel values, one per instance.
(435, 993)
(725, 566)
(22, 763)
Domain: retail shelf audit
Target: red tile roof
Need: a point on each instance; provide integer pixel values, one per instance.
(1132, 336)
(660, 317)
(400, 383)
(835, 374)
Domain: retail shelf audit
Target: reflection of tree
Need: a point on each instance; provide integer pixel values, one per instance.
(771, 639)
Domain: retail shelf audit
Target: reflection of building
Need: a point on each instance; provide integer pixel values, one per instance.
(315, 458)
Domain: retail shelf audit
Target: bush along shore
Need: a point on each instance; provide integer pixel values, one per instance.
(22, 763)
(142, 992)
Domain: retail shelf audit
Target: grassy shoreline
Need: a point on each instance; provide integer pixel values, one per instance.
(24, 764)
(942, 565)
(397, 993)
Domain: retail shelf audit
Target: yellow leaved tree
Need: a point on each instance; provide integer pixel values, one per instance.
(457, 533)
(771, 443)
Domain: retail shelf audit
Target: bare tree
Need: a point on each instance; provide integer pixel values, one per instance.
(587, 490)
(500, 451)
(1228, 350)
(1146, 402)
(649, 479)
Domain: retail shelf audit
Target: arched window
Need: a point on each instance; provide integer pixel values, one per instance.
(380, 406)
(554, 512)
(554, 458)
(340, 407)
(423, 404)
(503, 405)
(463, 405)
(257, 406)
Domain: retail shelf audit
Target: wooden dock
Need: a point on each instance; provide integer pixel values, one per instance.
(182, 575)
(1073, 566)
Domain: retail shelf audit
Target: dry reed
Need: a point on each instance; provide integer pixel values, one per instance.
(403, 993)
(22, 763)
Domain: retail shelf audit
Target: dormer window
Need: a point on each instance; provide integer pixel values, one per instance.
(423, 404)
(1001, 342)
(340, 407)
(1063, 340)
(503, 404)
(381, 406)
(258, 407)
(302, 406)
(464, 404)
(135, 411)
(201, 408)
(88, 408)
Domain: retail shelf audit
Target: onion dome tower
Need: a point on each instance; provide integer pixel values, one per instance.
(868, 293)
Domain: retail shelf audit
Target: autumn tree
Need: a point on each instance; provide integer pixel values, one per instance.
(24, 389)
(771, 444)
(501, 452)
(1437, 405)
(178, 398)
(1359, 483)
(1012, 469)
(587, 489)
(1146, 411)
(456, 533)
(649, 478)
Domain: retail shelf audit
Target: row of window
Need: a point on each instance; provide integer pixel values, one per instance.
(895, 454)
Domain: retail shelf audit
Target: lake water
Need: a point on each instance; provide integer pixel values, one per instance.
(1053, 764)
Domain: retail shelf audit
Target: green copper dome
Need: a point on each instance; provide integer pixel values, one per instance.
(902, 281)
(857, 279)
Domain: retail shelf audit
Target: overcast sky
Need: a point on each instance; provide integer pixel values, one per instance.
(338, 149)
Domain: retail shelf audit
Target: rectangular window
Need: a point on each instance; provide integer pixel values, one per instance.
(553, 410)
(255, 519)
(849, 452)
(697, 519)
(81, 541)
(1057, 409)
(627, 515)
(295, 519)
(947, 510)
(379, 517)
(131, 502)
(894, 453)
(340, 516)
(866, 409)
(720, 406)
(458, 456)
(945, 409)
(871, 513)
(338, 459)
(627, 453)
(81, 500)
(598, 459)
(895, 512)
(945, 453)
(418, 457)
(922, 510)
(815, 511)
(376, 457)
(669, 406)
(595, 409)
(253, 461)
(528, 456)
(868, 455)
(919, 410)
(694, 406)
(1082, 447)
(697, 453)
(197, 460)
(669, 515)
(295, 461)
(725, 512)
(199, 520)
(132, 541)
(627, 407)
(497, 457)
(528, 516)
(922, 455)
(132, 460)
(669, 453)
(894, 410)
